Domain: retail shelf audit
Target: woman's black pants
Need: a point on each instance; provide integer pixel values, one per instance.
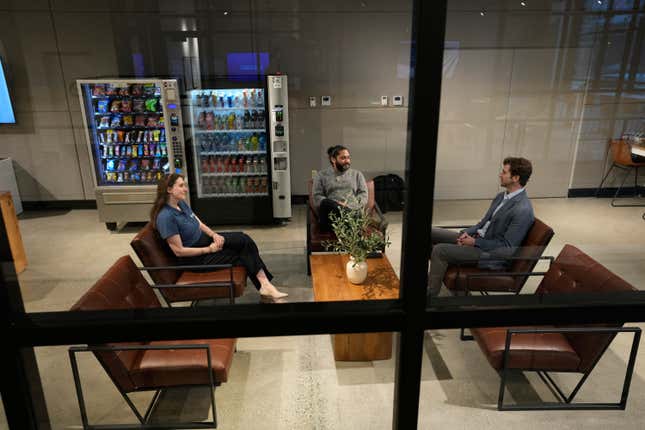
(239, 250)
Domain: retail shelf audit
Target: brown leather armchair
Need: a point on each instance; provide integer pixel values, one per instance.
(621, 154)
(560, 348)
(166, 271)
(315, 237)
(148, 366)
(460, 279)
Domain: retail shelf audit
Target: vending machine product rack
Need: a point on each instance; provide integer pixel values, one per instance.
(229, 151)
(135, 136)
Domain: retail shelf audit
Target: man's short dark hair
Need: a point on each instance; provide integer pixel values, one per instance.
(519, 167)
(330, 151)
(337, 150)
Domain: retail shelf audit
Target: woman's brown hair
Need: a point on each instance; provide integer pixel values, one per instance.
(162, 196)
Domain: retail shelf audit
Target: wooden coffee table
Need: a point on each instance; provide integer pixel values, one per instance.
(330, 284)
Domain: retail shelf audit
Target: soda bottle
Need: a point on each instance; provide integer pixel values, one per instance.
(261, 119)
(253, 100)
(254, 168)
(250, 167)
(254, 119)
(247, 119)
(105, 151)
(260, 98)
(233, 165)
(229, 100)
(164, 151)
(262, 142)
(261, 165)
(245, 100)
(238, 122)
(221, 100)
(205, 99)
(254, 142)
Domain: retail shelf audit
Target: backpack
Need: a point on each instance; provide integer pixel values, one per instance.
(389, 192)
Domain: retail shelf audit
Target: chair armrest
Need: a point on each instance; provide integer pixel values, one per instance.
(198, 285)
(452, 226)
(511, 274)
(599, 330)
(187, 267)
(471, 262)
(73, 350)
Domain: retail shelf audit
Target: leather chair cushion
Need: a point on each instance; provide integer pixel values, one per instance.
(551, 351)
(188, 294)
(455, 280)
(166, 368)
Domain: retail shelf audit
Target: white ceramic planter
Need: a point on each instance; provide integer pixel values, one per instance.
(356, 273)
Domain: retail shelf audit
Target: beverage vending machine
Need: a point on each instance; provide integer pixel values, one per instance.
(230, 151)
(135, 136)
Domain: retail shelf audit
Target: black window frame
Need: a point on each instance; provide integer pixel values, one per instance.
(21, 391)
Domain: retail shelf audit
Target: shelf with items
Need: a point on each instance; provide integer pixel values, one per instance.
(231, 174)
(200, 109)
(128, 113)
(241, 130)
(234, 152)
(228, 195)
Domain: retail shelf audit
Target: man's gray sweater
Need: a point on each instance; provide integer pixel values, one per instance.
(348, 187)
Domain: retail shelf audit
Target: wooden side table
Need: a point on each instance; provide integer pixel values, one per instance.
(330, 284)
(13, 231)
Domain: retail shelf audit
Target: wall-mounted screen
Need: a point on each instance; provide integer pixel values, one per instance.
(242, 66)
(6, 108)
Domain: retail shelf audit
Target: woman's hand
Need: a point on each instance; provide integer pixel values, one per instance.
(213, 247)
(219, 240)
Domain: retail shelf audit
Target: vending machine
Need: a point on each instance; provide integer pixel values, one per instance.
(135, 136)
(230, 148)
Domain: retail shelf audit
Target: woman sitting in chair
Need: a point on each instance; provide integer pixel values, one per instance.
(196, 244)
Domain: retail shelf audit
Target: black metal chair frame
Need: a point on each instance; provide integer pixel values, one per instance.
(628, 169)
(230, 284)
(467, 290)
(144, 421)
(564, 401)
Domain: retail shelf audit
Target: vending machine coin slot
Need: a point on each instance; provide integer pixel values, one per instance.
(280, 146)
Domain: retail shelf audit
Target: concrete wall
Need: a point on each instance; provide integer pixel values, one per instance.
(536, 81)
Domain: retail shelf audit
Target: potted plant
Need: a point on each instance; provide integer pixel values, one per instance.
(356, 236)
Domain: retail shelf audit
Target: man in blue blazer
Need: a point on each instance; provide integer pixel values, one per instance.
(498, 234)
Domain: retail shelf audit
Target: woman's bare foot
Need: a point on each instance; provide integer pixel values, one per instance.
(271, 291)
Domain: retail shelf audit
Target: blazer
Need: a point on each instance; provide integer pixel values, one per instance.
(506, 231)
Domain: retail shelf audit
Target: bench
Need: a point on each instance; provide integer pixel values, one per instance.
(148, 366)
(560, 348)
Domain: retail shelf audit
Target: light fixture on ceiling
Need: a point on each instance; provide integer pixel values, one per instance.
(523, 3)
(225, 12)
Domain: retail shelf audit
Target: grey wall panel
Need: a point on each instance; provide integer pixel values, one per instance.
(474, 102)
(20, 5)
(84, 158)
(306, 147)
(468, 159)
(87, 49)
(31, 58)
(44, 155)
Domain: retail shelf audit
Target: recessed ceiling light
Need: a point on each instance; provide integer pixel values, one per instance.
(225, 12)
(523, 3)
(482, 13)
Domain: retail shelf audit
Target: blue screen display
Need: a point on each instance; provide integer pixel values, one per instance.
(6, 109)
(246, 64)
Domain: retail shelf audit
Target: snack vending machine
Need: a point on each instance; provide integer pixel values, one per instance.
(231, 170)
(135, 136)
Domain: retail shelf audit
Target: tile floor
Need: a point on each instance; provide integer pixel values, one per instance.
(293, 382)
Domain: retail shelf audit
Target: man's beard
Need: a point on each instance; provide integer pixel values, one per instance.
(342, 167)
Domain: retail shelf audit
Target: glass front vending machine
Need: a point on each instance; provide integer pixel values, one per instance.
(230, 151)
(135, 137)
